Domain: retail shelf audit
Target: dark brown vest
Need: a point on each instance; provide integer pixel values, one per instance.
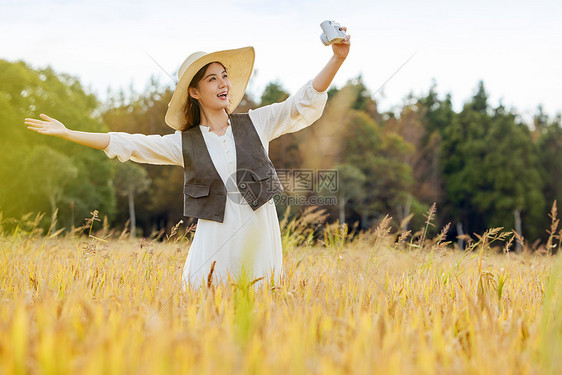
(204, 191)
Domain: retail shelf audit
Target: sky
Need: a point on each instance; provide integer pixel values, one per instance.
(514, 46)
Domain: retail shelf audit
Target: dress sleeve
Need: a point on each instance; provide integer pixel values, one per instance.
(149, 149)
(295, 113)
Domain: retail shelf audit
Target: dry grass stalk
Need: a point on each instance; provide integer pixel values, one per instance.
(210, 276)
(428, 222)
(553, 228)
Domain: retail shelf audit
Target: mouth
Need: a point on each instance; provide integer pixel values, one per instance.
(223, 95)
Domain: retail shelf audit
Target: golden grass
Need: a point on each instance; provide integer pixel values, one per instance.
(367, 304)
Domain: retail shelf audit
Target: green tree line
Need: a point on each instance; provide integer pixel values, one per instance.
(482, 166)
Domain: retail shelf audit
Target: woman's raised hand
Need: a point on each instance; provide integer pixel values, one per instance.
(341, 49)
(49, 126)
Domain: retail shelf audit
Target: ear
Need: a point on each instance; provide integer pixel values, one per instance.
(192, 91)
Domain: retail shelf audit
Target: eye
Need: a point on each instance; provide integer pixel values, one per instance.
(212, 78)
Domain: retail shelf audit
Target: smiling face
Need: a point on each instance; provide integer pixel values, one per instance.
(213, 90)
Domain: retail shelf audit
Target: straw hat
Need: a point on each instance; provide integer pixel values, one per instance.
(238, 63)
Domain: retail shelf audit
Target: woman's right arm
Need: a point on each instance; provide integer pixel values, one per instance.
(50, 126)
(140, 148)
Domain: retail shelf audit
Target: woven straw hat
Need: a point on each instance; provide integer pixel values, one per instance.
(239, 64)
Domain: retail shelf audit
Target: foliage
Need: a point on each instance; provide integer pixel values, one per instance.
(161, 205)
(273, 93)
(482, 166)
(62, 172)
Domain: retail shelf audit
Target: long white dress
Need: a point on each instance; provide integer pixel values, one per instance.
(246, 239)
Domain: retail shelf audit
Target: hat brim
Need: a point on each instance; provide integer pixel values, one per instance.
(239, 64)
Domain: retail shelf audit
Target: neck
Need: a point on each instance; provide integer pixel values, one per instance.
(214, 119)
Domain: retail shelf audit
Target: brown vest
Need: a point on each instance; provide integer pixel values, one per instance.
(204, 191)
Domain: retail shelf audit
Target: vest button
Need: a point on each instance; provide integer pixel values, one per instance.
(242, 186)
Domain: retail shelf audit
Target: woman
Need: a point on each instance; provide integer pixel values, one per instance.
(229, 179)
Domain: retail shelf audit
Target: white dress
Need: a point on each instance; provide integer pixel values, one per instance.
(246, 239)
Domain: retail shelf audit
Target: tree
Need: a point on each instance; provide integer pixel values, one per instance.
(362, 94)
(161, 205)
(350, 187)
(130, 180)
(345, 136)
(511, 175)
(490, 169)
(549, 146)
(284, 151)
(273, 93)
(48, 172)
(27, 92)
(463, 149)
(245, 104)
(413, 126)
(378, 156)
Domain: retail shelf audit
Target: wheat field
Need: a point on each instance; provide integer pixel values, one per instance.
(378, 301)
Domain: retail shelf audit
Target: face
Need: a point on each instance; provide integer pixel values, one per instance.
(213, 90)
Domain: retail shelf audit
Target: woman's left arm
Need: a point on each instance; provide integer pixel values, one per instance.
(323, 80)
(305, 106)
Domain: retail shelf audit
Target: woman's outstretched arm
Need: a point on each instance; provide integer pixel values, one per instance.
(323, 80)
(140, 148)
(50, 126)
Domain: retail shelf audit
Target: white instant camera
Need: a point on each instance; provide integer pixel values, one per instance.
(331, 33)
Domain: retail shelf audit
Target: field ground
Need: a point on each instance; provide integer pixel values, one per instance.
(369, 305)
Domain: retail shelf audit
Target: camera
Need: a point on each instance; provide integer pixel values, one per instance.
(331, 33)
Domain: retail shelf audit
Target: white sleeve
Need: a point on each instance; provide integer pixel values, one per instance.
(295, 113)
(149, 149)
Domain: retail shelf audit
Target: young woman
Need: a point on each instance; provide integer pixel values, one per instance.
(229, 179)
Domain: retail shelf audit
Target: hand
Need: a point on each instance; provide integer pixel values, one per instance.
(341, 49)
(50, 126)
